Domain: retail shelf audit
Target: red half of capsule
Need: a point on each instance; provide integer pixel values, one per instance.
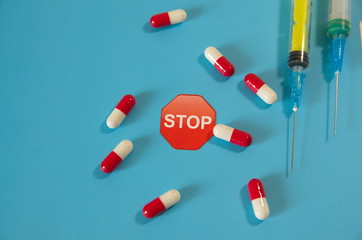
(256, 189)
(111, 162)
(224, 67)
(241, 138)
(126, 104)
(253, 82)
(160, 20)
(153, 208)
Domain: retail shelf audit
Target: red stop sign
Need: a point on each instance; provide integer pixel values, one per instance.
(187, 122)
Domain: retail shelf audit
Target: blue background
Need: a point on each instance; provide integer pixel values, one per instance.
(65, 64)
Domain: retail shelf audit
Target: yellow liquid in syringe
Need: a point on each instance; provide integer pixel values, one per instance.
(300, 27)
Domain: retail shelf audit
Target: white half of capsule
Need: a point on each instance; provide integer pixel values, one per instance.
(261, 208)
(223, 132)
(124, 148)
(115, 118)
(177, 16)
(212, 54)
(267, 94)
(170, 198)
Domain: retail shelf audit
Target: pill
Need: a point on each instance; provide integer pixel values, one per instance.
(161, 204)
(219, 61)
(116, 156)
(168, 18)
(121, 111)
(258, 199)
(232, 135)
(261, 89)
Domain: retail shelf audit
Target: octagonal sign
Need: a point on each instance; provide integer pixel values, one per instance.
(187, 122)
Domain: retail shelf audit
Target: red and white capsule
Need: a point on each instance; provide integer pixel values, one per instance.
(121, 111)
(220, 62)
(168, 18)
(161, 204)
(232, 135)
(260, 88)
(258, 199)
(116, 156)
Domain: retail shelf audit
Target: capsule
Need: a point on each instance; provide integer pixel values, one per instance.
(161, 204)
(260, 88)
(219, 61)
(116, 156)
(121, 111)
(232, 135)
(258, 199)
(168, 18)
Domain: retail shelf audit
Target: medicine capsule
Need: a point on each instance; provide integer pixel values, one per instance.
(168, 18)
(121, 111)
(259, 87)
(232, 135)
(116, 156)
(161, 204)
(258, 199)
(219, 61)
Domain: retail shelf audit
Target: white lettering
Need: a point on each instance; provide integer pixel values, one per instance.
(181, 119)
(189, 122)
(169, 118)
(205, 120)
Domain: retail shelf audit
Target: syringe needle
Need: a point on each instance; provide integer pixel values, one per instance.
(293, 139)
(336, 105)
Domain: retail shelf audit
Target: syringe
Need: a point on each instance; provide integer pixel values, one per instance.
(298, 55)
(338, 29)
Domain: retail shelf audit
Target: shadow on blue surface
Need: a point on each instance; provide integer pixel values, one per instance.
(140, 219)
(249, 212)
(327, 58)
(275, 193)
(194, 12)
(140, 145)
(284, 37)
(287, 144)
(214, 73)
(189, 192)
(97, 173)
(143, 101)
(283, 49)
(104, 128)
(236, 57)
(226, 145)
(252, 97)
(149, 29)
(259, 133)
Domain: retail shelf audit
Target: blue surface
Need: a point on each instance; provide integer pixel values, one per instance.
(65, 64)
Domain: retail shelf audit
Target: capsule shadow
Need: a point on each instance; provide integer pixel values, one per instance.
(214, 73)
(258, 133)
(189, 192)
(275, 194)
(236, 57)
(227, 145)
(140, 145)
(252, 97)
(140, 219)
(104, 128)
(193, 13)
(249, 212)
(99, 174)
(143, 101)
(149, 29)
